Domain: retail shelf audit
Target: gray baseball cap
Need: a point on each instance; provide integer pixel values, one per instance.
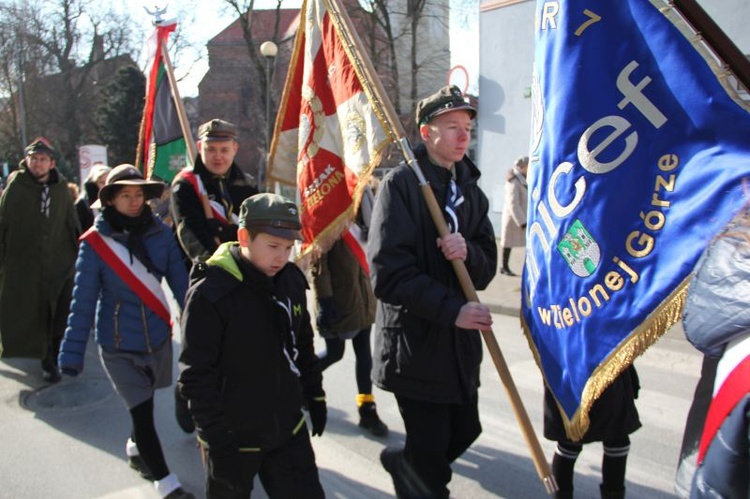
(272, 214)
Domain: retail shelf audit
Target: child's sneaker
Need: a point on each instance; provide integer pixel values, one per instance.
(169, 487)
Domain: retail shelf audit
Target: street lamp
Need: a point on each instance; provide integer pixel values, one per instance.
(268, 50)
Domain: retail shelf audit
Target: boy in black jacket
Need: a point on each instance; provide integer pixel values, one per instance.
(248, 360)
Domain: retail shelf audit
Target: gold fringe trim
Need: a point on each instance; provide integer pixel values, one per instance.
(668, 313)
(332, 233)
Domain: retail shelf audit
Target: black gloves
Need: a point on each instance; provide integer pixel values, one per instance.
(327, 314)
(318, 414)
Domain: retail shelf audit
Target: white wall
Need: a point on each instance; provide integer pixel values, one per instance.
(506, 54)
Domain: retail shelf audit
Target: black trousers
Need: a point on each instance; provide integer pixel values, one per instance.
(285, 472)
(362, 354)
(59, 321)
(436, 435)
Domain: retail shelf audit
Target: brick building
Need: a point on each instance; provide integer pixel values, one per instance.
(233, 90)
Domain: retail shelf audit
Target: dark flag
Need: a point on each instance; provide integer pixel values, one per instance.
(162, 145)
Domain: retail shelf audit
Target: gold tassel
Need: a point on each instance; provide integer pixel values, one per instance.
(659, 321)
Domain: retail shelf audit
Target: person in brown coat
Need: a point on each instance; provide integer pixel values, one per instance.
(513, 230)
(345, 311)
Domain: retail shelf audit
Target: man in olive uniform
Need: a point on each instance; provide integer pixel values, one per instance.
(206, 198)
(38, 246)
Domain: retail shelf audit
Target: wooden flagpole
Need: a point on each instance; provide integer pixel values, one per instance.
(184, 124)
(181, 113)
(377, 93)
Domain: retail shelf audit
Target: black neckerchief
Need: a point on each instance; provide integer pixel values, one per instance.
(283, 317)
(134, 228)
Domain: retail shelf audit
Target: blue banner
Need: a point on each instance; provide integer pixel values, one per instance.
(639, 155)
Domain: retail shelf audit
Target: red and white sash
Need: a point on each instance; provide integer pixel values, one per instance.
(144, 284)
(200, 190)
(354, 240)
(731, 385)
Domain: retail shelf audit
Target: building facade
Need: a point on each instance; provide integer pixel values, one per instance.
(232, 88)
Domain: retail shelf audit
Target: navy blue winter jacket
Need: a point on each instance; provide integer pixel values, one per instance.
(100, 297)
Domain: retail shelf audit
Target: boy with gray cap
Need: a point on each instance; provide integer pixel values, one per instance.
(248, 360)
(427, 345)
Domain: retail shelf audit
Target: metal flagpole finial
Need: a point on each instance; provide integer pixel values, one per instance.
(158, 13)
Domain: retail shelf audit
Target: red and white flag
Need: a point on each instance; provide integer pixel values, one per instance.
(329, 137)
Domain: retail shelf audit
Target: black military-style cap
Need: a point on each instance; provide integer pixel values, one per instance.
(217, 129)
(448, 98)
(272, 214)
(42, 145)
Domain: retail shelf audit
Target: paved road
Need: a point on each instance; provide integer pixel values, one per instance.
(67, 440)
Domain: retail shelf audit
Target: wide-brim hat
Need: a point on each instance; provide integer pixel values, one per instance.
(271, 214)
(126, 174)
(445, 100)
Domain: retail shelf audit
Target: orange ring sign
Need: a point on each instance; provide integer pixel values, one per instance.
(466, 77)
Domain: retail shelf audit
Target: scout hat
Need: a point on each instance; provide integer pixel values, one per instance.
(448, 98)
(217, 129)
(126, 174)
(272, 214)
(40, 145)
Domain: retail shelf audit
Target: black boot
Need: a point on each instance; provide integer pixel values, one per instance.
(611, 494)
(50, 371)
(368, 419)
(138, 464)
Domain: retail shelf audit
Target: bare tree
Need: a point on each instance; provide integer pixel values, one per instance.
(51, 54)
(244, 10)
(15, 56)
(418, 28)
(380, 38)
